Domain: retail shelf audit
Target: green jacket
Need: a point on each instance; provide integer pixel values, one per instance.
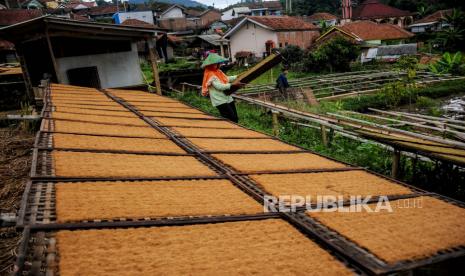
(216, 91)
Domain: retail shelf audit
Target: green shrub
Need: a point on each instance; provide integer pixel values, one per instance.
(334, 56)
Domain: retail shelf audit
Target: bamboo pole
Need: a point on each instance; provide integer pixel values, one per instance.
(442, 130)
(434, 118)
(52, 56)
(430, 121)
(153, 62)
(389, 130)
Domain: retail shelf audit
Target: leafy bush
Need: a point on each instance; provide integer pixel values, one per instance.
(292, 54)
(334, 56)
(407, 62)
(453, 64)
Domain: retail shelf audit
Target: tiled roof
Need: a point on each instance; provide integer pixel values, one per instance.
(283, 23)
(137, 23)
(375, 9)
(193, 13)
(435, 17)
(9, 17)
(368, 30)
(322, 16)
(110, 9)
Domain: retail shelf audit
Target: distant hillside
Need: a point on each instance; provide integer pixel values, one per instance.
(186, 3)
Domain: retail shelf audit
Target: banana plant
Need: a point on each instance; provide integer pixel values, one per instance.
(448, 64)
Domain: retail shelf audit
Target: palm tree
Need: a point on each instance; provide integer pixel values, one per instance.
(423, 11)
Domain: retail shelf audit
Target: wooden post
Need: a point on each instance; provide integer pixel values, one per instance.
(153, 62)
(27, 80)
(324, 136)
(395, 163)
(52, 55)
(274, 115)
(222, 49)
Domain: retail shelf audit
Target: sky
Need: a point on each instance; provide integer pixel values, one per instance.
(218, 3)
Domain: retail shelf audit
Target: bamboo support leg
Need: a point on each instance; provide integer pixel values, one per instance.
(275, 123)
(324, 135)
(395, 163)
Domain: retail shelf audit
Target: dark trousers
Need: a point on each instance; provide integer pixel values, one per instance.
(228, 111)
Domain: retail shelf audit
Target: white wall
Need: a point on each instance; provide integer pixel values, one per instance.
(114, 69)
(146, 16)
(251, 39)
(173, 13)
(227, 15)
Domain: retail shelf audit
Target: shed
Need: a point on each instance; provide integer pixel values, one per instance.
(79, 53)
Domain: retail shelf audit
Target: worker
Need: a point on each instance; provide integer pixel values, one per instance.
(217, 85)
(282, 84)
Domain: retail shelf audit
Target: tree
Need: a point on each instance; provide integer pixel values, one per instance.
(453, 64)
(334, 56)
(308, 7)
(292, 55)
(453, 37)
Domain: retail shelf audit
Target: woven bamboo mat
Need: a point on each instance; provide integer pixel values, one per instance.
(110, 200)
(86, 164)
(410, 232)
(252, 247)
(250, 163)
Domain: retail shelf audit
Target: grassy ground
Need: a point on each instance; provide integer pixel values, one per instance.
(270, 76)
(371, 156)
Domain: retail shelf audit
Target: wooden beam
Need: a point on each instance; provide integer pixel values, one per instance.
(27, 79)
(153, 61)
(52, 55)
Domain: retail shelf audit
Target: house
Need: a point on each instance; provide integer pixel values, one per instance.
(78, 5)
(100, 13)
(145, 16)
(259, 34)
(211, 42)
(235, 13)
(393, 52)
(372, 33)
(10, 17)
(327, 18)
(262, 8)
(265, 8)
(217, 27)
(370, 36)
(165, 46)
(176, 18)
(174, 11)
(375, 11)
(431, 23)
(78, 53)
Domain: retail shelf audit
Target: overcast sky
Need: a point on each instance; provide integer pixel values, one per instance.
(218, 3)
